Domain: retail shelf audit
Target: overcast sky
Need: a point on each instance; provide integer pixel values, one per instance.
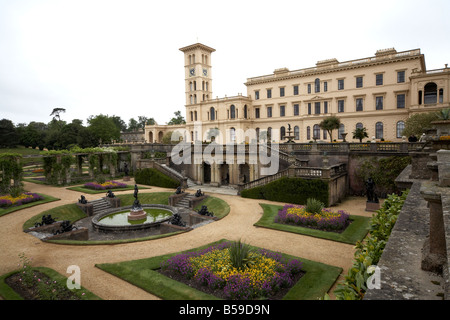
(121, 57)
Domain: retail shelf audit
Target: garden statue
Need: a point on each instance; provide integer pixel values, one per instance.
(110, 194)
(66, 226)
(136, 204)
(204, 211)
(199, 193)
(82, 200)
(370, 190)
(46, 219)
(125, 169)
(176, 220)
(179, 191)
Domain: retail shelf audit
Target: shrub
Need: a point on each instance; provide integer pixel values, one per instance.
(290, 190)
(314, 206)
(153, 177)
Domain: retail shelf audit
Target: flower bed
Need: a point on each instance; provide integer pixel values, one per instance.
(105, 185)
(325, 220)
(26, 197)
(264, 274)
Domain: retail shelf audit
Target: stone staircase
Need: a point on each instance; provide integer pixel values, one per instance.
(184, 203)
(100, 205)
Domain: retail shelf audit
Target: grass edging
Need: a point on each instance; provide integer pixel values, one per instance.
(92, 191)
(355, 232)
(8, 293)
(317, 281)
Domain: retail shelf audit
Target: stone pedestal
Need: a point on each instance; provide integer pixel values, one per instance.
(138, 214)
(372, 206)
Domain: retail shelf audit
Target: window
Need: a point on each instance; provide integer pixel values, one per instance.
(340, 105)
(341, 130)
(212, 113)
(400, 101)
(359, 82)
(359, 125)
(341, 84)
(269, 112)
(317, 85)
(400, 76)
(295, 90)
(400, 128)
(281, 92)
(325, 86)
(256, 95)
(282, 133)
(296, 133)
(441, 95)
(325, 107)
(232, 111)
(195, 115)
(257, 134)
(269, 93)
(232, 134)
(309, 87)
(325, 137)
(282, 111)
(269, 134)
(379, 103)
(309, 108)
(192, 116)
(308, 133)
(317, 108)
(359, 104)
(257, 113)
(379, 79)
(316, 132)
(379, 130)
(430, 91)
(296, 110)
(245, 112)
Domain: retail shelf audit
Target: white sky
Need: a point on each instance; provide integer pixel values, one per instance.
(121, 57)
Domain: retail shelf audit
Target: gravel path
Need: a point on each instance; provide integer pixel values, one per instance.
(237, 225)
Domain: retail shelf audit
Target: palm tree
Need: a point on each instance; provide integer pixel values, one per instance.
(329, 124)
(360, 133)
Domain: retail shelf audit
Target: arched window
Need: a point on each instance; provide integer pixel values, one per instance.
(316, 132)
(359, 125)
(317, 85)
(232, 134)
(430, 93)
(282, 133)
(232, 112)
(212, 113)
(257, 134)
(269, 134)
(245, 112)
(379, 130)
(296, 133)
(308, 133)
(341, 130)
(400, 128)
(192, 116)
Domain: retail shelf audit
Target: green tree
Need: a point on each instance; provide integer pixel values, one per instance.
(178, 119)
(417, 123)
(103, 129)
(329, 124)
(55, 113)
(360, 133)
(8, 134)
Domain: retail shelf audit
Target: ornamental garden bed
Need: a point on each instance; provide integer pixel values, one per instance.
(355, 230)
(207, 273)
(95, 187)
(10, 204)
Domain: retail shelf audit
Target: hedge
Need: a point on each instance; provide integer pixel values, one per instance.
(153, 177)
(290, 190)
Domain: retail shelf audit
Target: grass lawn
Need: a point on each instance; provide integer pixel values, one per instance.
(92, 191)
(69, 212)
(7, 293)
(356, 231)
(318, 279)
(46, 199)
(215, 205)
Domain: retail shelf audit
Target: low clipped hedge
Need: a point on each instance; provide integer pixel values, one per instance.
(153, 177)
(290, 190)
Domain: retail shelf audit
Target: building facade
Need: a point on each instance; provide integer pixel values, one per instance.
(377, 93)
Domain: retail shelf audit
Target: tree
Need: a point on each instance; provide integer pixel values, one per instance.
(8, 134)
(329, 124)
(417, 123)
(178, 119)
(55, 113)
(103, 129)
(360, 133)
(119, 123)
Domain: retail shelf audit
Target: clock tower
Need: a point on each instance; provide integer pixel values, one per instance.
(197, 65)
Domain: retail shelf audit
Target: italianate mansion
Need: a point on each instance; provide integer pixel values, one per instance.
(378, 93)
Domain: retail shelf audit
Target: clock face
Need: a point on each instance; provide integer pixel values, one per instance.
(192, 72)
(205, 72)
